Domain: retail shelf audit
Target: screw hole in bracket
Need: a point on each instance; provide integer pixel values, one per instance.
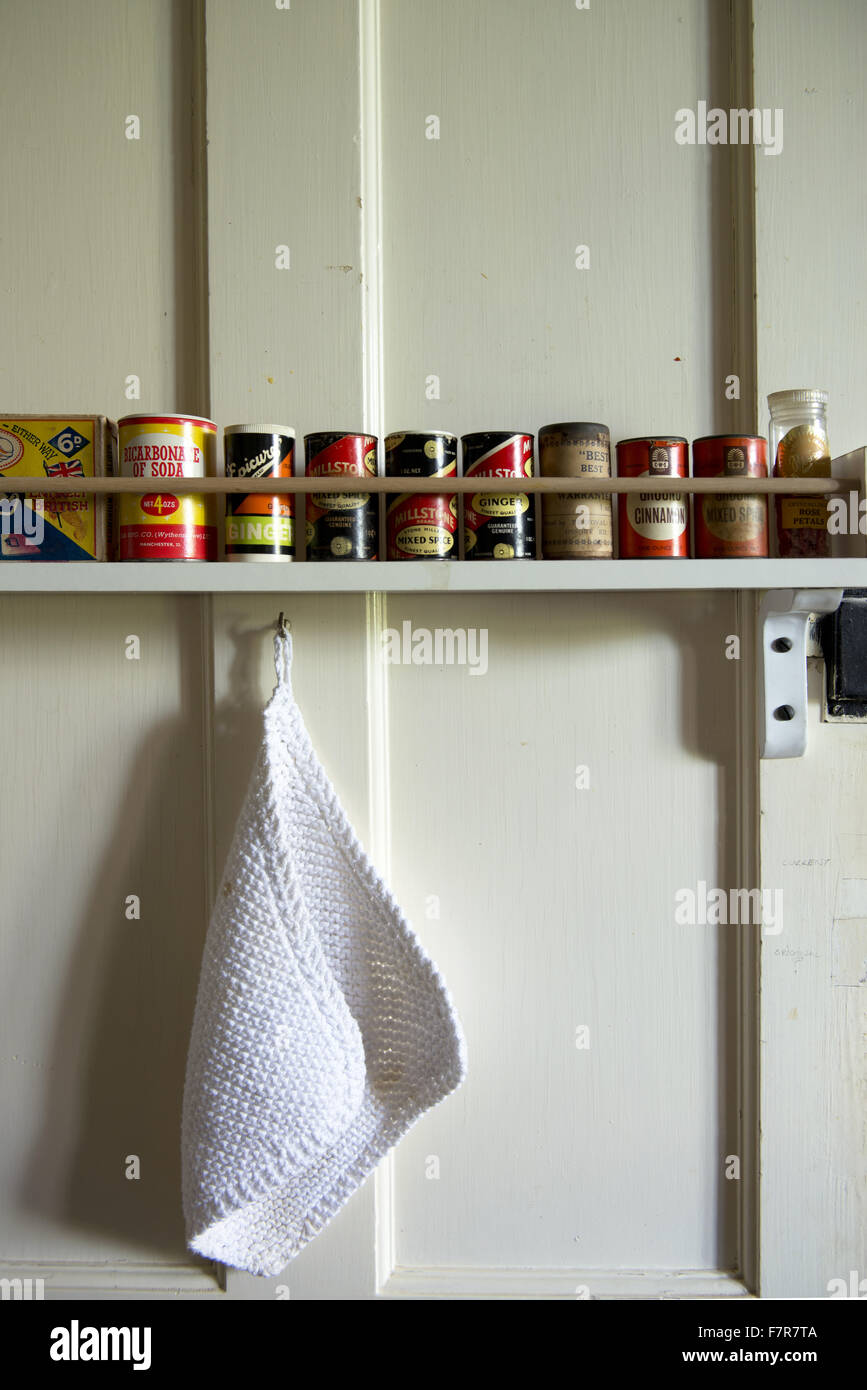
(781, 644)
(784, 712)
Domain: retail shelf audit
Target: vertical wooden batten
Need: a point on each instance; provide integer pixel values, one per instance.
(744, 416)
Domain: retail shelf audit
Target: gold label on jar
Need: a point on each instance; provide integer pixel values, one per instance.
(803, 452)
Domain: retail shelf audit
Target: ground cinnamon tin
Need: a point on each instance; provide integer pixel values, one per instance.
(653, 525)
(259, 526)
(417, 526)
(499, 526)
(341, 526)
(576, 526)
(730, 525)
(162, 525)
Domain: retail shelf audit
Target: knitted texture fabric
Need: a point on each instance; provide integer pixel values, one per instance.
(322, 1030)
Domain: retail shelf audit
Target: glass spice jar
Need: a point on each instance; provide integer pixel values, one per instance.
(798, 435)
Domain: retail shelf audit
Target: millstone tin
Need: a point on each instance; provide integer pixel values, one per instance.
(576, 526)
(341, 526)
(499, 526)
(417, 526)
(259, 526)
(653, 525)
(730, 525)
(160, 525)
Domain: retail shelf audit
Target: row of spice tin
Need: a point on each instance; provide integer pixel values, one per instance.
(161, 525)
(346, 526)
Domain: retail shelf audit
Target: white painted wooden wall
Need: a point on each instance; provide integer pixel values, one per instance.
(561, 1168)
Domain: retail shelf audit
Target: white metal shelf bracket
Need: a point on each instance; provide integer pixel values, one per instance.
(784, 617)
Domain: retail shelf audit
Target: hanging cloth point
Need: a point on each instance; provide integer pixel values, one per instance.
(283, 650)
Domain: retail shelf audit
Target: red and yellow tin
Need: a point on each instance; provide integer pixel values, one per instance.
(730, 525)
(653, 525)
(161, 525)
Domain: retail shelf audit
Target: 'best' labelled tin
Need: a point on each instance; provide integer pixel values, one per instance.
(420, 527)
(159, 525)
(341, 526)
(576, 526)
(259, 526)
(499, 526)
(653, 525)
(730, 525)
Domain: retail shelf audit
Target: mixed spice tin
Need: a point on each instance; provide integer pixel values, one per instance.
(417, 526)
(653, 525)
(341, 526)
(499, 526)
(576, 526)
(161, 525)
(259, 526)
(730, 525)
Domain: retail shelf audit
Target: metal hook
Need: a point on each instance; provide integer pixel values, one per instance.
(283, 624)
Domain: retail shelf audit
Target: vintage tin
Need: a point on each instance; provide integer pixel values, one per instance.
(499, 526)
(576, 527)
(341, 526)
(730, 525)
(653, 525)
(418, 526)
(161, 525)
(54, 526)
(259, 526)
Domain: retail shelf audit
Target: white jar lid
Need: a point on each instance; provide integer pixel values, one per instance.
(260, 429)
(804, 397)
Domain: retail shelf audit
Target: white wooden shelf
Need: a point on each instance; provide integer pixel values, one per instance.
(429, 576)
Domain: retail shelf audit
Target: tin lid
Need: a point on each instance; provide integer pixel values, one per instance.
(805, 396)
(654, 439)
(714, 456)
(502, 435)
(339, 434)
(420, 434)
(260, 429)
(168, 420)
(732, 434)
(581, 427)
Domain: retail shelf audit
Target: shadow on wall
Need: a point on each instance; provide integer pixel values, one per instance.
(118, 1054)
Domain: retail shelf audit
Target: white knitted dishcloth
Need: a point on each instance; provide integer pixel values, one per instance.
(322, 1029)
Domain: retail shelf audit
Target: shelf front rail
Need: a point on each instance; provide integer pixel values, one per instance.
(791, 487)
